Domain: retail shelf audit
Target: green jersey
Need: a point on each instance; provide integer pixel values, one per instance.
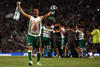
(35, 26)
(46, 32)
(80, 35)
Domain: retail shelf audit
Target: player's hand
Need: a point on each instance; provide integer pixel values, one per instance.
(18, 3)
(53, 8)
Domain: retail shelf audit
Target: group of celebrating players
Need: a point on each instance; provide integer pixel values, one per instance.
(54, 36)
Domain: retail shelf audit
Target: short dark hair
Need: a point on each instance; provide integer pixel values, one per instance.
(95, 26)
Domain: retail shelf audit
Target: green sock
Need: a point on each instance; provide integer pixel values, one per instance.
(86, 52)
(48, 51)
(30, 55)
(83, 53)
(62, 52)
(38, 57)
(45, 50)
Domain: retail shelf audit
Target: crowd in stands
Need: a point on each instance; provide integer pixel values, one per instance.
(13, 34)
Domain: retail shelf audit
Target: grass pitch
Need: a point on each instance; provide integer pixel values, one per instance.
(22, 61)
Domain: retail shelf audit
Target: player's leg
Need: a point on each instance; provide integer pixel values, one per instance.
(59, 49)
(66, 50)
(54, 46)
(78, 51)
(33, 52)
(83, 48)
(30, 49)
(99, 49)
(41, 46)
(85, 52)
(48, 47)
(30, 54)
(77, 48)
(37, 46)
(62, 47)
(38, 58)
(45, 47)
(56, 49)
(94, 49)
(57, 46)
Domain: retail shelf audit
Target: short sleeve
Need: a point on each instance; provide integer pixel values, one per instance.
(93, 32)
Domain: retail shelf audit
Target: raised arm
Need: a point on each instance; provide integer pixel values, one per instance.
(45, 16)
(52, 11)
(22, 12)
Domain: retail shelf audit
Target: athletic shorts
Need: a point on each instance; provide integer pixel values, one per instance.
(46, 42)
(63, 43)
(96, 47)
(72, 43)
(82, 43)
(33, 41)
(57, 43)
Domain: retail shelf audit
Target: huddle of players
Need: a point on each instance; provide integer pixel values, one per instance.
(61, 39)
(55, 35)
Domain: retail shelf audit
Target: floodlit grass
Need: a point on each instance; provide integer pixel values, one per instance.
(22, 61)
